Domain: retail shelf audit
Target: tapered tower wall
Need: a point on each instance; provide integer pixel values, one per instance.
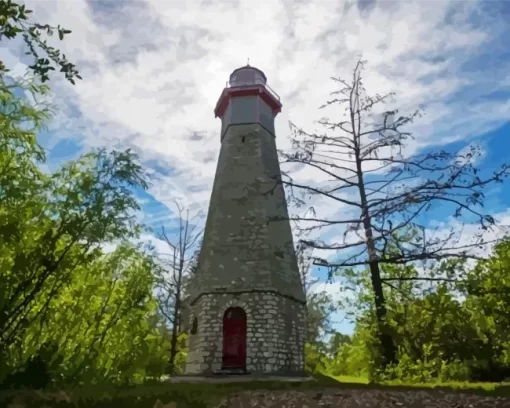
(243, 248)
(247, 257)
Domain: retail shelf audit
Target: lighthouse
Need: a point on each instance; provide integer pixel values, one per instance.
(247, 313)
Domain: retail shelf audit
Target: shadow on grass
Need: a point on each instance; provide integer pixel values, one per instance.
(196, 395)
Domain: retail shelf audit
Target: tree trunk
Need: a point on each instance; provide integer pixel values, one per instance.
(175, 332)
(176, 313)
(385, 338)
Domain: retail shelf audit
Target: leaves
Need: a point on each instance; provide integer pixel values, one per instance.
(447, 330)
(98, 309)
(63, 302)
(14, 20)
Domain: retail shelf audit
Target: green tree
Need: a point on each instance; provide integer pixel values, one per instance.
(444, 328)
(84, 204)
(21, 181)
(487, 291)
(14, 21)
(353, 358)
(51, 225)
(106, 320)
(336, 341)
(66, 309)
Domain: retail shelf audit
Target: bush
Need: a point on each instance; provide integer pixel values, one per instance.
(350, 360)
(454, 371)
(424, 371)
(315, 361)
(410, 371)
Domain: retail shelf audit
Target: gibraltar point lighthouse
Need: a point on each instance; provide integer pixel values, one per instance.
(247, 311)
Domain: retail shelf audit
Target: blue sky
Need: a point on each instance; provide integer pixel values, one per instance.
(154, 69)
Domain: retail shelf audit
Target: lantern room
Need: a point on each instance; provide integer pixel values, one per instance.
(247, 99)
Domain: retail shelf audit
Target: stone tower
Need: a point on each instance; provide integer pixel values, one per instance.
(247, 310)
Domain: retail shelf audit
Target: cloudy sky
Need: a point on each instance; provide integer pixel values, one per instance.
(153, 71)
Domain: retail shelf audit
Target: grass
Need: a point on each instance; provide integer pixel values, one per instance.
(491, 389)
(206, 395)
(350, 379)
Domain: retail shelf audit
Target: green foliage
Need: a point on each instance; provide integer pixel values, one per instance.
(86, 203)
(68, 312)
(319, 308)
(14, 21)
(107, 309)
(450, 325)
(315, 360)
(182, 354)
(353, 358)
(337, 340)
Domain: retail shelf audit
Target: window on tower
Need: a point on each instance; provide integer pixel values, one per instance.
(194, 326)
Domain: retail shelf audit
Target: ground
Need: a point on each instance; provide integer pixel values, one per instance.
(323, 392)
(371, 398)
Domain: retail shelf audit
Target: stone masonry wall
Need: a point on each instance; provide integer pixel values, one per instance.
(275, 333)
(242, 248)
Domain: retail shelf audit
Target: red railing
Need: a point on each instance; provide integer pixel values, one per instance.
(247, 84)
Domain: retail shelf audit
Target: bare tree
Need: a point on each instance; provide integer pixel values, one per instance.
(171, 281)
(382, 192)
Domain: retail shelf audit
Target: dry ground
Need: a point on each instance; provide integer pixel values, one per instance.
(345, 398)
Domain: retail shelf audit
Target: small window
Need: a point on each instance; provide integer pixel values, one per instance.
(194, 326)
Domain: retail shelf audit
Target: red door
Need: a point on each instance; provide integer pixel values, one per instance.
(234, 338)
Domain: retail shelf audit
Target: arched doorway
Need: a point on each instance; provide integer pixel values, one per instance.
(234, 338)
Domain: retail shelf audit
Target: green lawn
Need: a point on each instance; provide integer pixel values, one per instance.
(349, 379)
(481, 388)
(205, 395)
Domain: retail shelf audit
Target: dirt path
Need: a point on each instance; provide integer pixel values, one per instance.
(331, 398)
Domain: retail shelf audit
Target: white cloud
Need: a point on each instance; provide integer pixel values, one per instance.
(466, 234)
(156, 99)
(153, 71)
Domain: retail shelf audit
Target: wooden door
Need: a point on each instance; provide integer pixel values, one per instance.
(234, 338)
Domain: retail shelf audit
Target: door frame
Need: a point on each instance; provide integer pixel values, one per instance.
(242, 320)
